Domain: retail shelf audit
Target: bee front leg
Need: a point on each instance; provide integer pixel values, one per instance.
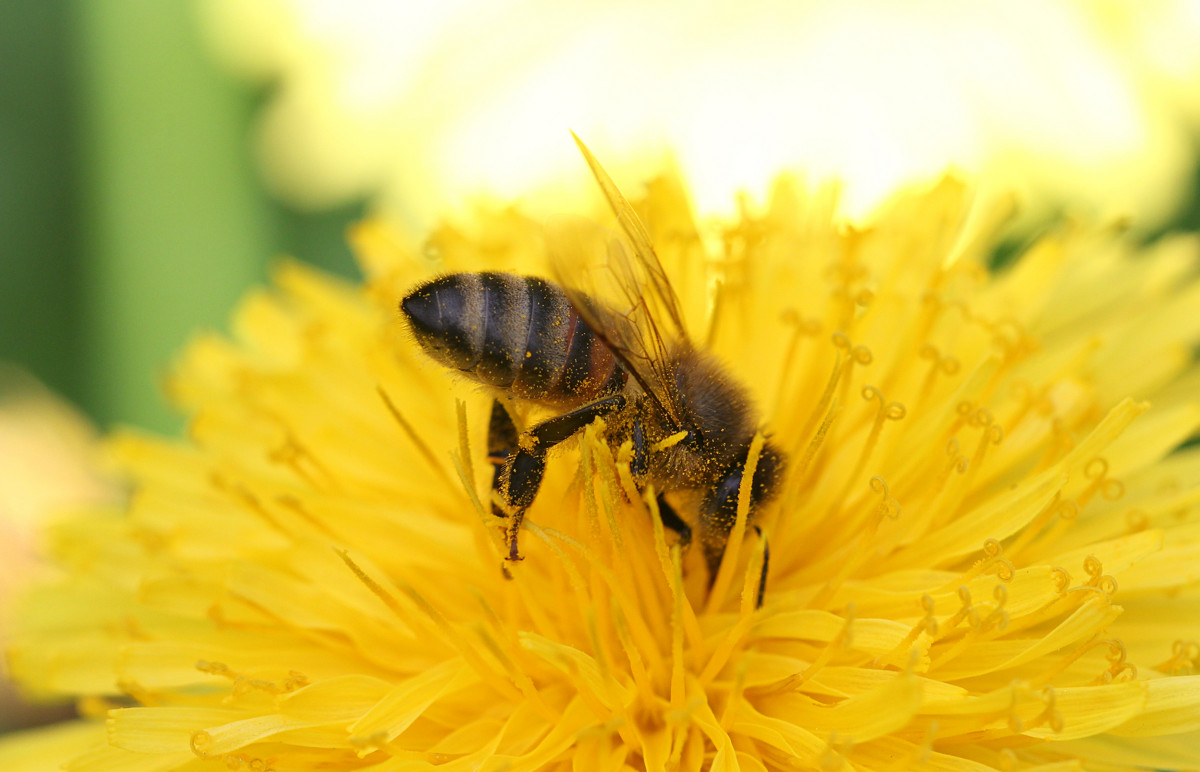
(521, 475)
(638, 468)
(718, 511)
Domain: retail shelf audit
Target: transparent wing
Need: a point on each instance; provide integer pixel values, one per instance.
(619, 287)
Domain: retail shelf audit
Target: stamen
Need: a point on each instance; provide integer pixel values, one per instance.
(801, 328)
(1011, 336)
(925, 750)
(243, 684)
(637, 666)
(841, 642)
(610, 491)
(853, 558)
(1058, 514)
(493, 537)
(799, 476)
(1098, 581)
(1184, 659)
(1061, 578)
(821, 410)
(1027, 399)
(733, 546)
(736, 692)
(1109, 489)
(443, 630)
(411, 433)
(993, 557)
(690, 623)
(636, 624)
(1016, 688)
(927, 624)
(1050, 714)
(945, 364)
(997, 618)
(888, 507)
(968, 612)
(1118, 668)
(886, 411)
(991, 435)
(587, 473)
(292, 454)
(677, 683)
(1136, 521)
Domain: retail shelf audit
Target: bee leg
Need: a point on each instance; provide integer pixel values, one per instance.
(673, 521)
(718, 513)
(502, 441)
(523, 469)
(762, 579)
(640, 463)
(638, 467)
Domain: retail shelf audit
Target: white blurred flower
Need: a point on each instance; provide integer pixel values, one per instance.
(420, 105)
(47, 464)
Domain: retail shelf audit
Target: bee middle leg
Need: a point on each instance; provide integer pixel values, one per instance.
(518, 480)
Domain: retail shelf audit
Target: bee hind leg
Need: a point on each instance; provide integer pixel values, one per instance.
(521, 475)
(502, 441)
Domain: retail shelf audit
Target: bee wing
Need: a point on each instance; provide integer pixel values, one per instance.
(619, 286)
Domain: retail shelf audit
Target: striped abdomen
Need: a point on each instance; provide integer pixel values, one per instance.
(513, 332)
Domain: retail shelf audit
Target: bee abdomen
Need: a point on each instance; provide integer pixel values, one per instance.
(512, 332)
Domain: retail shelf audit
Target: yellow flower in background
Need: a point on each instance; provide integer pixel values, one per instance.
(418, 106)
(984, 555)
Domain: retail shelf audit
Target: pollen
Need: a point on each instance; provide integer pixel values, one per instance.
(983, 553)
(669, 442)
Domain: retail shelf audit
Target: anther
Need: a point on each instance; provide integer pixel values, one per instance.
(1118, 668)
(930, 621)
(993, 559)
(980, 417)
(1061, 578)
(1184, 659)
(1067, 509)
(965, 610)
(859, 354)
(958, 462)
(1050, 714)
(1136, 521)
(888, 507)
(1014, 721)
(997, 618)
(946, 364)
(1109, 489)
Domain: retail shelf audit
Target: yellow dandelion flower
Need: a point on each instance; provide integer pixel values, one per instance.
(985, 554)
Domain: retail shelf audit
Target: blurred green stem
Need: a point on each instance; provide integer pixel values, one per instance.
(174, 228)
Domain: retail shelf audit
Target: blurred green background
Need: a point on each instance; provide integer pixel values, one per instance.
(130, 210)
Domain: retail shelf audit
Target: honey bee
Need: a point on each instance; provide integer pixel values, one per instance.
(551, 343)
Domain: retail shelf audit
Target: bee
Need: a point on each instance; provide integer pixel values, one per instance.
(554, 344)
